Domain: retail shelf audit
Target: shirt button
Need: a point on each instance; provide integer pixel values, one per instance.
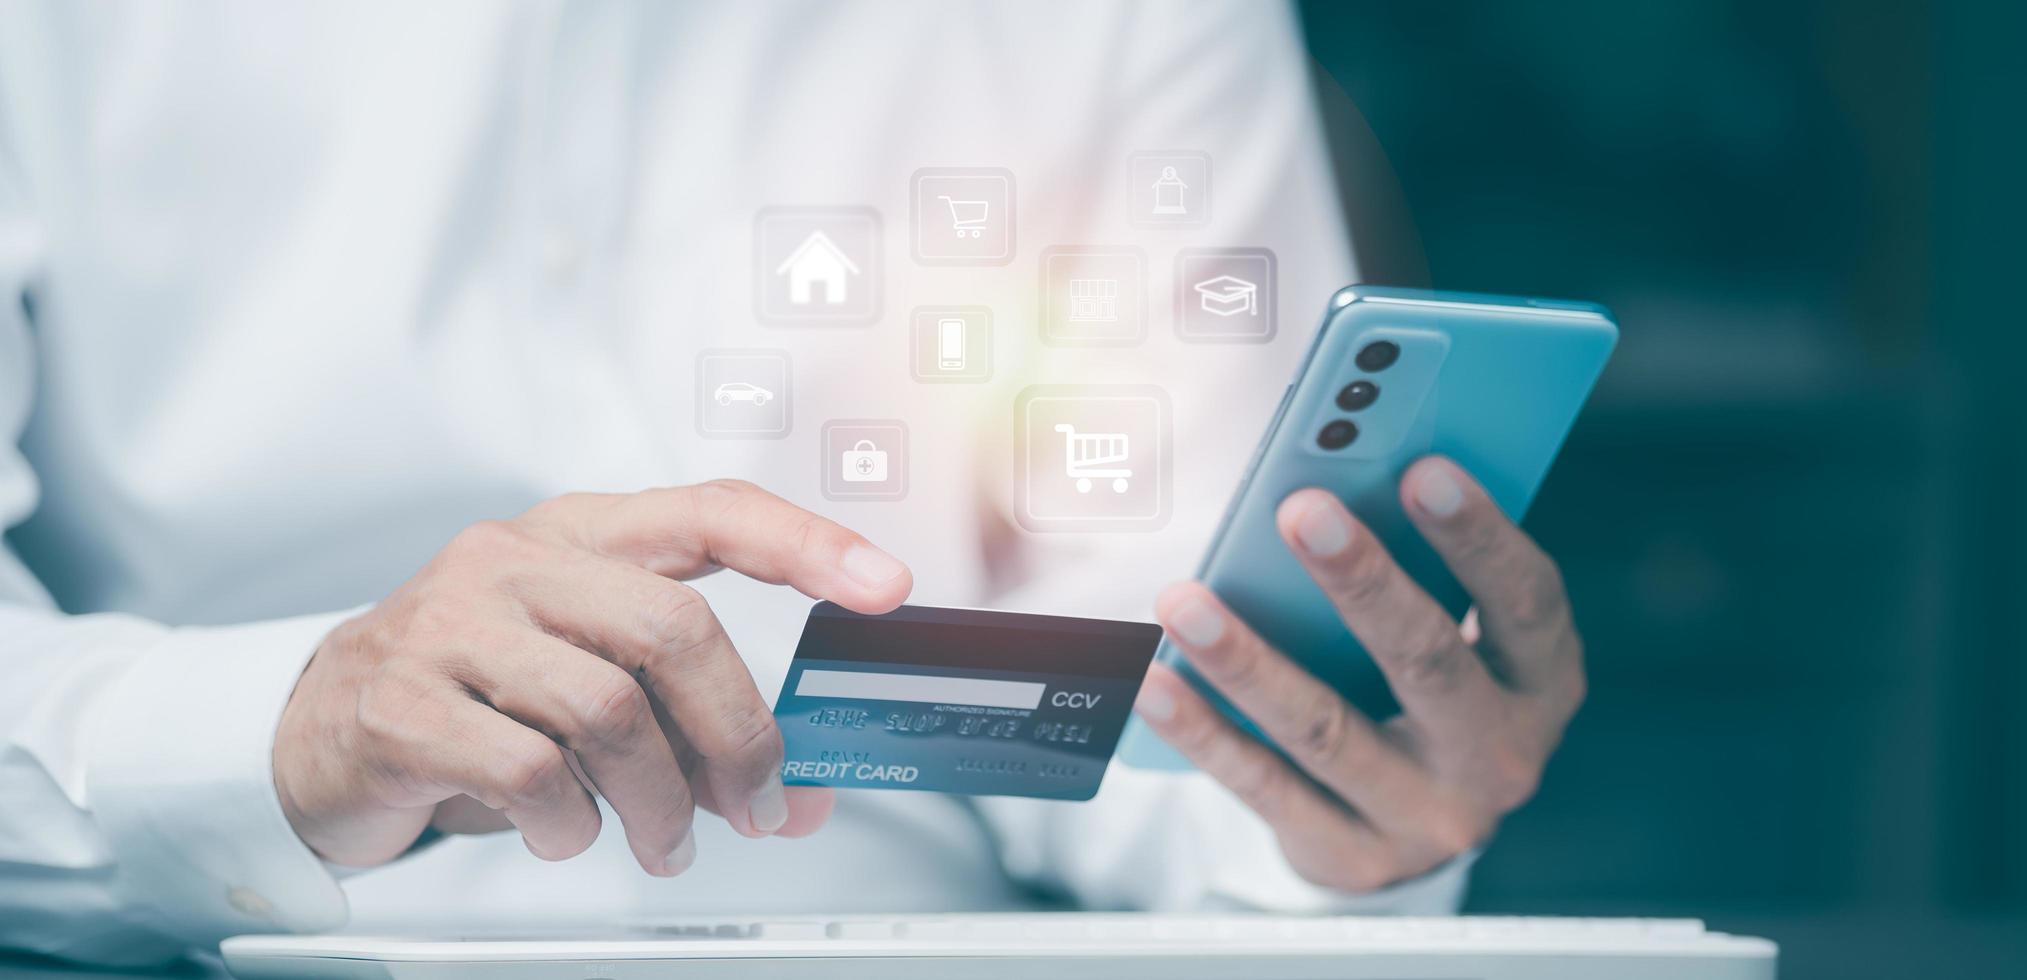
(249, 902)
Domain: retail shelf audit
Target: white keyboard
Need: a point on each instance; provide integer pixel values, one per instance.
(1063, 946)
(1105, 929)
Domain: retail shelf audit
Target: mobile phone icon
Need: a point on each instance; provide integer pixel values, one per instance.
(950, 344)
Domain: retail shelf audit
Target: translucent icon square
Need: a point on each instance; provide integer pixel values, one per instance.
(962, 215)
(1225, 295)
(865, 459)
(1094, 457)
(1168, 189)
(1093, 296)
(743, 394)
(817, 266)
(950, 344)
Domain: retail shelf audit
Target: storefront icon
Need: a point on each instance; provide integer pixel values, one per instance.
(1093, 295)
(1094, 300)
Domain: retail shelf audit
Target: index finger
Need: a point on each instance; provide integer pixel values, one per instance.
(1437, 679)
(683, 532)
(1331, 740)
(666, 635)
(1518, 589)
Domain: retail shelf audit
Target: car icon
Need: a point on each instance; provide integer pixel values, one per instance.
(740, 391)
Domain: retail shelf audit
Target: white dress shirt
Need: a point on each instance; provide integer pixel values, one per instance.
(290, 293)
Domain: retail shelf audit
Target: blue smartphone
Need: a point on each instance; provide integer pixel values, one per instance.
(1493, 382)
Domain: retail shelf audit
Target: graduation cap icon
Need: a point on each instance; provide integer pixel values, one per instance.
(1228, 296)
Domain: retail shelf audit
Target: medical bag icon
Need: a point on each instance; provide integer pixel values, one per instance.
(865, 462)
(864, 459)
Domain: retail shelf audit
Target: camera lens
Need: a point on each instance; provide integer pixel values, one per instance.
(1357, 395)
(1337, 435)
(1378, 355)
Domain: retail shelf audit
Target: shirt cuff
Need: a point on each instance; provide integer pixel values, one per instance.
(180, 777)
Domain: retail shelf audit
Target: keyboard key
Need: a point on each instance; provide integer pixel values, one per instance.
(1056, 930)
(790, 931)
(998, 929)
(930, 930)
(1673, 928)
(1122, 929)
(871, 929)
(684, 930)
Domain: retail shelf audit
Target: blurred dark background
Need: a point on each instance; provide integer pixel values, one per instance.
(1791, 516)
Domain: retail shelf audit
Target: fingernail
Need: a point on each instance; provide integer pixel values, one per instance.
(1322, 532)
(1197, 623)
(1154, 703)
(1438, 491)
(770, 807)
(871, 567)
(680, 859)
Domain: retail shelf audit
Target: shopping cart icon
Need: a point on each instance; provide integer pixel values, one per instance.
(967, 217)
(1086, 455)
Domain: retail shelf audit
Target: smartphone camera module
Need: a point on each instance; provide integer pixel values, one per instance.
(1357, 395)
(1378, 356)
(1337, 435)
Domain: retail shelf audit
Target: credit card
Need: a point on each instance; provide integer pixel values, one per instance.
(959, 700)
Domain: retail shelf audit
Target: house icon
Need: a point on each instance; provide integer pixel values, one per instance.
(818, 261)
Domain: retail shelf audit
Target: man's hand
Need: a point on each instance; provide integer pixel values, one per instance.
(1369, 804)
(538, 660)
